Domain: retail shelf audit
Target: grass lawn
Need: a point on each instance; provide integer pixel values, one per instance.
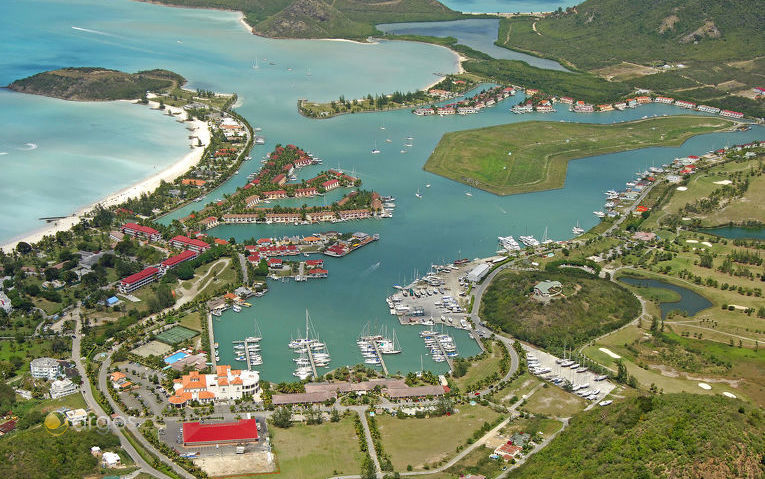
(554, 401)
(29, 350)
(482, 368)
(309, 452)
(520, 386)
(418, 442)
(192, 321)
(541, 150)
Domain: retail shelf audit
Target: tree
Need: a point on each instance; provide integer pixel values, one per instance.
(282, 417)
(335, 415)
(368, 468)
(23, 247)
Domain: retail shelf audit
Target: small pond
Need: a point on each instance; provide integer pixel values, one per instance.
(690, 302)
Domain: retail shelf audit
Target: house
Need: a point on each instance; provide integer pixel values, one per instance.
(508, 451)
(644, 236)
(531, 91)
(110, 459)
(582, 107)
(282, 218)
(138, 280)
(346, 215)
(320, 216)
(708, 109)
(61, 388)
(223, 433)
(188, 243)
(275, 263)
(240, 218)
(136, 230)
(330, 184)
(274, 195)
(193, 182)
(644, 99)
(663, 99)
(279, 179)
(225, 385)
(45, 368)
(317, 273)
(210, 222)
(548, 289)
(567, 99)
(315, 263)
(76, 417)
(5, 303)
(174, 261)
(306, 192)
(685, 104)
(731, 114)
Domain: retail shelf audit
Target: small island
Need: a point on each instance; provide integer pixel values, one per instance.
(97, 84)
(534, 156)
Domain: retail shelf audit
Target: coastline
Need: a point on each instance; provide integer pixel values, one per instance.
(146, 185)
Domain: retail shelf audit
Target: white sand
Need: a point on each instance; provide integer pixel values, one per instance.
(691, 241)
(723, 182)
(610, 353)
(146, 185)
(729, 395)
(705, 386)
(706, 243)
(682, 188)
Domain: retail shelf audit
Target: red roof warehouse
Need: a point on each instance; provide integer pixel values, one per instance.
(196, 434)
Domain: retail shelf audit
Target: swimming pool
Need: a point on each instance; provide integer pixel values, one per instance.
(175, 357)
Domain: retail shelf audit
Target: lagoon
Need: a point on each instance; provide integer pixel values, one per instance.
(213, 51)
(737, 232)
(690, 302)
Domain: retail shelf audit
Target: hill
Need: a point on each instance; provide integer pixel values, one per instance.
(672, 435)
(707, 51)
(96, 84)
(352, 19)
(587, 308)
(541, 150)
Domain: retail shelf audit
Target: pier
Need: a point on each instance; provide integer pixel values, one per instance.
(313, 363)
(448, 359)
(380, 357)
(211, 336)
(246, 351)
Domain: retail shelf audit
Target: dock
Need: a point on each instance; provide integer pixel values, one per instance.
(246, 351)
(448, 359)
(380, 356)
(211, 336)
(313, 363)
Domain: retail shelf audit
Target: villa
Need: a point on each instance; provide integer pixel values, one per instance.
(225, 385)
(548, 289)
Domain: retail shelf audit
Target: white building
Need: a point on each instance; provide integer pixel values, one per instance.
(5, 303)
(45, 368)
(477, 273)
(61, 388)
(226, 385)
(110, 459)
(76, 417)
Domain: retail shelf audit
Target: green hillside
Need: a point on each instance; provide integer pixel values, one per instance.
(704, 51)
(668, 436)
(352, 19)
(96, 84)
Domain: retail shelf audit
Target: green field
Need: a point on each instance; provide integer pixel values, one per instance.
(674, 435)
(595, 307)
(175, 335)
(309, 452)
(483, 368)
(540, 151)
(418, 442)
(554, 401)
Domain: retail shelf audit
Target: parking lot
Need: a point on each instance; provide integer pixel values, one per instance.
(585, 383)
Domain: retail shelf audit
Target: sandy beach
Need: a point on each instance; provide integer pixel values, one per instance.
(146, 185)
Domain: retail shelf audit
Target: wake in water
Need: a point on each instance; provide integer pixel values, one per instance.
(29, 147)
(370, 269)
(3, 153)
(88, 30)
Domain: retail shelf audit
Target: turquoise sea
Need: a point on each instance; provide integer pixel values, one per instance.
(212, 50)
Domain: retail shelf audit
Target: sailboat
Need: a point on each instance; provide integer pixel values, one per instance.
(255, 65)
(577, 230)
(467, 193)
(375, 150)
(418, 194)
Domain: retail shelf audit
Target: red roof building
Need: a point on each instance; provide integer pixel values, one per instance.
(330, 184)
(135, 281)
(134, 229)
(196, 434)
(174, 261)
(188, 243)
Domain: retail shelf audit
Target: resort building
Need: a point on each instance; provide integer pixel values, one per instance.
(582, 107)
(708, 109)
(251, 201)
(45, 368)
(331, 184)
(240, 218)
(209, 222)
(274, 195)
(279, 179)
(685, 104)
(225, 385)
(216, 434)
(138, 280)
(354, 214)
(136, 230)
(644, 99)
(282, 218)
(188, 243)
(174, 261)
(317, 273)
(320, 216)
(306, 192)
(663, 99)
(61, 388)
(732, 114)
(76, 417)
(567, 99)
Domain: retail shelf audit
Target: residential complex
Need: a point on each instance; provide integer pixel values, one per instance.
(226, 385)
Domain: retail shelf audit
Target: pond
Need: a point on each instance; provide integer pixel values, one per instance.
(690, 302)
(737, 232)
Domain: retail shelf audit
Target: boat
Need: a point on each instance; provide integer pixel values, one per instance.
(375, 150)
(577, 230)
(427, 186)
(509, 243)
(388, 140)
(418, 194)
(236, 308)
(599, 214)
(467, 193)
(529, 240)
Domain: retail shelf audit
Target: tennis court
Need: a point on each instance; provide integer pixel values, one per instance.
(175, 335)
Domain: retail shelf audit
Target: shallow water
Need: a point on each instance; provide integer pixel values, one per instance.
(690, 302)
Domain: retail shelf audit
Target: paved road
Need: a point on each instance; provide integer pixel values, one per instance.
(370, 442)
(96, 408)
(102, 373)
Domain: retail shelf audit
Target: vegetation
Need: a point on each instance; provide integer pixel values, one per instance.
(588, 307)
(677, 435)
(533, 156)
(37, 454)
(712, 45)
(101, 84)
(324, 19)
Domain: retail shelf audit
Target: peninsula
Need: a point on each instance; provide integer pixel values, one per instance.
(534, 156)
(97, 84)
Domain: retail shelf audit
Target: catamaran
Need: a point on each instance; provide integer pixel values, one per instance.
(577, 230)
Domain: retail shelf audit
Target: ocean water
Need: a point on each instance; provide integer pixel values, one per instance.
(212, 50)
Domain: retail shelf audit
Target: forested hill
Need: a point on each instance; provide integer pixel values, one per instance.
(665, 436)
(599, 33)
(96, 84)
(352, 19)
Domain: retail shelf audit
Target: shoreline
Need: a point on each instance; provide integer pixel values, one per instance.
(145, 185)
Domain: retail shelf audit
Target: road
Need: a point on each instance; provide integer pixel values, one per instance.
(370, 442)
(96, 408)
(102, 385)
(243, 265)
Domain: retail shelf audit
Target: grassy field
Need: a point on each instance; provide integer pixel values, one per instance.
(541, 150)
(554, 401)
(308, 452)
(523, 384)
(482, 368)
(418, 442)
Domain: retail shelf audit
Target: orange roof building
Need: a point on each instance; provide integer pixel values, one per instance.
(225, 385)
